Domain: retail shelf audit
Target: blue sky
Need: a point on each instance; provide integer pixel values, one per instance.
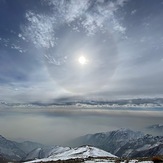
(42, 41)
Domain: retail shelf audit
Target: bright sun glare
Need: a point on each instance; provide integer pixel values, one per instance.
(82, 60)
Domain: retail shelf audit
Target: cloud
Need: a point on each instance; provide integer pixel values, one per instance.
(40, 29)
(13, 44)
(91, 16)
(123, 58)
(82, 24)
(28, 92)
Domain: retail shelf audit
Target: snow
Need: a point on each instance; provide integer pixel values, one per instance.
(146, 146)
(81, 152)
(84, 152)
(136, 161)
(56, 150)
(113, 161)
(146, 162)
(100, 161)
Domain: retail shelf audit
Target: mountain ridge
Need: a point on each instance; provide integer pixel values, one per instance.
(122, 143)
(16, 151)
(82, 152)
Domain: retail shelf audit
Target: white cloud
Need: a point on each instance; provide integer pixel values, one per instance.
(118, 27)
(92, 16)
(76, 9)
(21, 36)
(13, 45)
(40, 29)
(121, 2)
(17, 47)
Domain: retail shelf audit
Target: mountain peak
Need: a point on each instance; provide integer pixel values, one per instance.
(74, 153)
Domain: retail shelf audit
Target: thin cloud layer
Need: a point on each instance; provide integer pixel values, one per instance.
(91, 16)
(83, 24)
(121, 42)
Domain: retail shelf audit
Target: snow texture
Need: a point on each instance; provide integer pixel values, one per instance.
(81, 152)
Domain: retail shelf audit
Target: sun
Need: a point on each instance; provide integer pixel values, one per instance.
(82, 60)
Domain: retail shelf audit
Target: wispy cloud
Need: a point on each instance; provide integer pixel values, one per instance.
(40, 29)
(91, 16)
(124, 59)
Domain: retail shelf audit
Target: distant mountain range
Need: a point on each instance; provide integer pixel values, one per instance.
(123, 103)
(156, 128)
(16, 151)
(122, 143)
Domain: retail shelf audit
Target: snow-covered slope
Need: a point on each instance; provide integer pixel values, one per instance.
(83, 152)
(45, 152)
(72, 153)
(113, 161)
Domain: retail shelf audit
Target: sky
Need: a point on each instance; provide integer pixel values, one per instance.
(77, 49)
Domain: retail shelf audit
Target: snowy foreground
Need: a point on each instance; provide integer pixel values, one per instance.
(113, 161)
(87, 154)
(96, 161)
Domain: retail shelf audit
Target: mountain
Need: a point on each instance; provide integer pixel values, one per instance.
(146, 146)
(44, 152)
(109, 141)
(123, 143)
(155, 150)
(16, 151)
(4, 160)
(158, 128)
(10, 150)
(28, 146)
(74, 153)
